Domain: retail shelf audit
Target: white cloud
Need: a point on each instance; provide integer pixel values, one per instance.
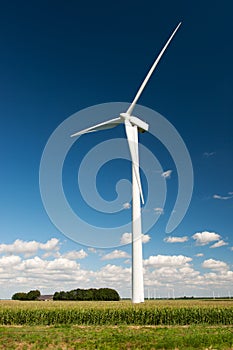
(199, 255)
(41, 267)
(166, 174)
(126, 238)
(161, 272)
(145, 238)
(208, 154)
(92, 250)
(167, 260)
(127, 261)
(55, 254)
(116, 254)
(20, 273)
(113, 275)
(176, 272)
(126, 205)
(75, 254)
(8, 261)
(159, 211)
(214, 264)
(216, 196)
(51, 244)
(219, 244)
(203, 238)
(61, 264)
(176, 239)
(28, 247)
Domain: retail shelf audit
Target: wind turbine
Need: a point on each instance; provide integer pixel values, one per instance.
(133, 125)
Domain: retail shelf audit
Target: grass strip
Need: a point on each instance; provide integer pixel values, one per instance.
(116, 337)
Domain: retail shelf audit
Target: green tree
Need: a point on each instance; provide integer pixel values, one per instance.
(19, 296)
(33, 295)
(106, 294)
(56, 296)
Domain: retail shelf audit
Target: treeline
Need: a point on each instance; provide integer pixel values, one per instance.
(105, 294)
(32, 295)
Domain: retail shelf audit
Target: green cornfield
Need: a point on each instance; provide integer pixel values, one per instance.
(175, 313)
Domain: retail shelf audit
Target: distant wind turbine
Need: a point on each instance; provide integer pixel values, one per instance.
(133, 125)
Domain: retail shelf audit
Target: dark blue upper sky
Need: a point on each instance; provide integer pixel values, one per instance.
(58, 57)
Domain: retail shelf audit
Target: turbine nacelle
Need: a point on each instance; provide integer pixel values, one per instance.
(142, 126)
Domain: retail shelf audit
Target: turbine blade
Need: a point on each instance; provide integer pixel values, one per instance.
(131, 107)
(105, 125)
(132, 137)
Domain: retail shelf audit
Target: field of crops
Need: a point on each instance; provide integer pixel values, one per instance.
(159, 324)
(161, 312)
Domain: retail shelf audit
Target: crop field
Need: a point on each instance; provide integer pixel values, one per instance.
(161, 312)
(158, 324)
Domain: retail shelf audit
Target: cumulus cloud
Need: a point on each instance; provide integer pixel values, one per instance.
(208, 154)
(126, 205)
(164, 271)
(167, 260)
(214, 264)
(219, 244)
(21, 273)
(52, 244)
(113, 275)
(9, 261)
(29, 247)
(167, 174)
(199, 255)
(127, 261)
(38, 266)
(75, 254)
(92, 250)
(18, 273)
(126, 238)
(116, 254)
(205, 237)
(176, 239)
(217, 196)
(159, 211)
(145, 238)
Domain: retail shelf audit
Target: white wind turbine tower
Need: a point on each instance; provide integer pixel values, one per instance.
(132, 126)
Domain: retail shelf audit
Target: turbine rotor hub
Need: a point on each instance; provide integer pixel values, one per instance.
(125, 116)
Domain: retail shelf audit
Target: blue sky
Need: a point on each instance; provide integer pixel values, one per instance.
(58, 58)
